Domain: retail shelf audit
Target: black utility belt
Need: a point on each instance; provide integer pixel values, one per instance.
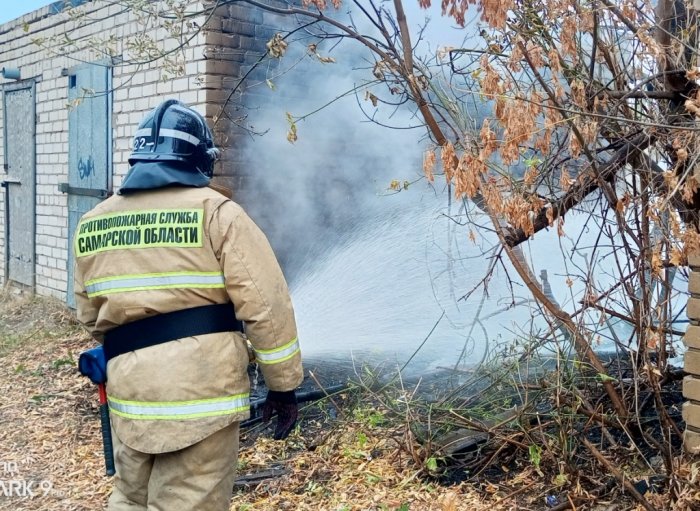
(142, 333)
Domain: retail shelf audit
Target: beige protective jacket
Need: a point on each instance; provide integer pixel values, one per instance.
(169, 249)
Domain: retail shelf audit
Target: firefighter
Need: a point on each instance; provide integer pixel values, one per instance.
(172, 278)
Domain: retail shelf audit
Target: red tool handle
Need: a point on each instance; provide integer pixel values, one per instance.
(106, 431)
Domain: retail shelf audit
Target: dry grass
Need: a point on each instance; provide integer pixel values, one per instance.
(355, 467)
(50, 433)
(48, 412)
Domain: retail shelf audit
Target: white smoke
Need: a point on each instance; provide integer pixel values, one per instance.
(367, 265)
(342, 163)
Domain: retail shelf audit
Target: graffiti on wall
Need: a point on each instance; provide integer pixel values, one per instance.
(86, 168)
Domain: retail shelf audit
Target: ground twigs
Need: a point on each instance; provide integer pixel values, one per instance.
(624, 481)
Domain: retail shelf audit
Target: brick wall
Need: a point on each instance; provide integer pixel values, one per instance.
(236, 39)
(215, 59)
(231, 42)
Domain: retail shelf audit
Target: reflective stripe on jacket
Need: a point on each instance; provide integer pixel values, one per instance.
(138, 255)
(174, 280)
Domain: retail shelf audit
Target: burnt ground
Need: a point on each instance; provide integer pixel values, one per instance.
(367, 446)
(492, 462)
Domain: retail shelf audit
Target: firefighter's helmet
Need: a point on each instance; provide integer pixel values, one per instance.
(173, 132)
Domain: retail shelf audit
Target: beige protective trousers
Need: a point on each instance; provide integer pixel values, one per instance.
(197, 478)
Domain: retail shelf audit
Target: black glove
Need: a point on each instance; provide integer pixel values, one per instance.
(285, 404)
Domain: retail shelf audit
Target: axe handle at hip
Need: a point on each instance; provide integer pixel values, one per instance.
(106, 431)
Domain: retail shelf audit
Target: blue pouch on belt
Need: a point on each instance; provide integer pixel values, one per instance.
(92, 363)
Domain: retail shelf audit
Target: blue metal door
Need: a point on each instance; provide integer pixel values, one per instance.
(89, 148)
(20, 183)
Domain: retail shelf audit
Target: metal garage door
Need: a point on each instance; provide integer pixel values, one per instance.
(89, 147)
(19, 183)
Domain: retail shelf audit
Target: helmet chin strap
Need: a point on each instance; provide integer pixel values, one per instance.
(210, 155)
(213, 153)
(202, 173)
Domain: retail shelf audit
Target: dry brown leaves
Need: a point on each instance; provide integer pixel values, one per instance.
(50, 437)
(429, 159)
(321, 4)
(568, 41)
(356, 468)
(277, 46)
